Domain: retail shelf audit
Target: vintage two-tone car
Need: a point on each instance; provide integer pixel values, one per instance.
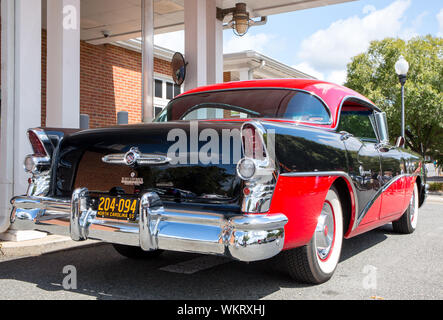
(247, 170)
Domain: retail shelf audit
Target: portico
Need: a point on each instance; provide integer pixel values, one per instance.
(98, 22)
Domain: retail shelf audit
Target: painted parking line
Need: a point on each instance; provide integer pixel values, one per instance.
(196, 265)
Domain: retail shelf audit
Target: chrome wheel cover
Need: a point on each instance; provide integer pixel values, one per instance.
(325, 232)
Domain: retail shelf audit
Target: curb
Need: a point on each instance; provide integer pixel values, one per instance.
(40, 247)
(434, 198)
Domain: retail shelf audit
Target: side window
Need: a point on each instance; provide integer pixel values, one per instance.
(306, 108)
(359, 122)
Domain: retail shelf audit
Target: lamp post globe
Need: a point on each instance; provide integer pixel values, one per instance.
(402, 66)
(402, 69)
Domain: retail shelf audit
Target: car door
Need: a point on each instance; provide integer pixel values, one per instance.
(393, 181)
(359, 136)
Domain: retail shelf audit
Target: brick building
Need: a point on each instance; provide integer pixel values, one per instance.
(110, 78)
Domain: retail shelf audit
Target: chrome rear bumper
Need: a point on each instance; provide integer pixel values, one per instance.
(245, 238)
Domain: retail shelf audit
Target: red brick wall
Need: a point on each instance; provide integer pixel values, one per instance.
(226, 76)
(110, 82)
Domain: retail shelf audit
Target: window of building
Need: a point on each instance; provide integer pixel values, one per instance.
(158, 88)
(172, 90)
(166, 90)
(177, 90)
(169, 91)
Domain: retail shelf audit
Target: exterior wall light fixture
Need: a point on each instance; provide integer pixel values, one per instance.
(240, 22)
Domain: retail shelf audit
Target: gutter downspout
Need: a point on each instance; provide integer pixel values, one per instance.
(252, 70)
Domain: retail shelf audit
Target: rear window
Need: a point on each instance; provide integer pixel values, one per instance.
(249, 103)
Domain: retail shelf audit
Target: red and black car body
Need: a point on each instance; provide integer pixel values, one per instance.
(320, 169)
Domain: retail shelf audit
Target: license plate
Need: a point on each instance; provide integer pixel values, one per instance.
(118, 208)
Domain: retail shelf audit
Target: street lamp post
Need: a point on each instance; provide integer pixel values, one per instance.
(402, 68)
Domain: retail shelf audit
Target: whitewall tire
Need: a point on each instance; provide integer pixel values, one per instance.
(316, 262)
(408, 222)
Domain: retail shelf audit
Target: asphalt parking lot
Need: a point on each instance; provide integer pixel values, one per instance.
(377, 265)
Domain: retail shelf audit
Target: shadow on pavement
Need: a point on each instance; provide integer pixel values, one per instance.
(104, 274)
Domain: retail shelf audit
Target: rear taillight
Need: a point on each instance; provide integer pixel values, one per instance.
(253, 143)
(257, 169)
(37, 145)
(40, 161)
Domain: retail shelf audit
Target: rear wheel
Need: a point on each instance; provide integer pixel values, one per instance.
(136, 253)
(316, 262)
(408, 222)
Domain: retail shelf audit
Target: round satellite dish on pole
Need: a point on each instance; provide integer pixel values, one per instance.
(178, 68)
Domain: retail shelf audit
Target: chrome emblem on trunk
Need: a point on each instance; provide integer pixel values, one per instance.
(135, 157)
(132, 156)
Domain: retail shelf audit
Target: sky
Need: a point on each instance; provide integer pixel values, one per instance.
(322, 41)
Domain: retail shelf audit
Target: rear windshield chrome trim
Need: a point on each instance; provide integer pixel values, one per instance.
(328, 109)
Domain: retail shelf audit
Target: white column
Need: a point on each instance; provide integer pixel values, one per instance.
(7, 112)
(63, 64)
(214, 45)
(195, 43)
(21, 94)
(203, 43)
(28, 41)
(147, 60)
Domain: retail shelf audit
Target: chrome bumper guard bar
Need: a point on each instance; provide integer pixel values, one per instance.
(245, 238)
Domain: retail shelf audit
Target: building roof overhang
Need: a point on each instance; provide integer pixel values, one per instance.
(233, 62)
(123, 18)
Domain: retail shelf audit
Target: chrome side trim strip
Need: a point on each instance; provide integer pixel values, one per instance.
(359, 215)
(378, 194)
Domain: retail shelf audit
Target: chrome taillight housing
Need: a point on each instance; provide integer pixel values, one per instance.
(39, 163)
(257, 168)
(36, 165)
(35, 138)
(246, 169)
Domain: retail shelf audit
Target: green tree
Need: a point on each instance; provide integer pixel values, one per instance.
(372, 74)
